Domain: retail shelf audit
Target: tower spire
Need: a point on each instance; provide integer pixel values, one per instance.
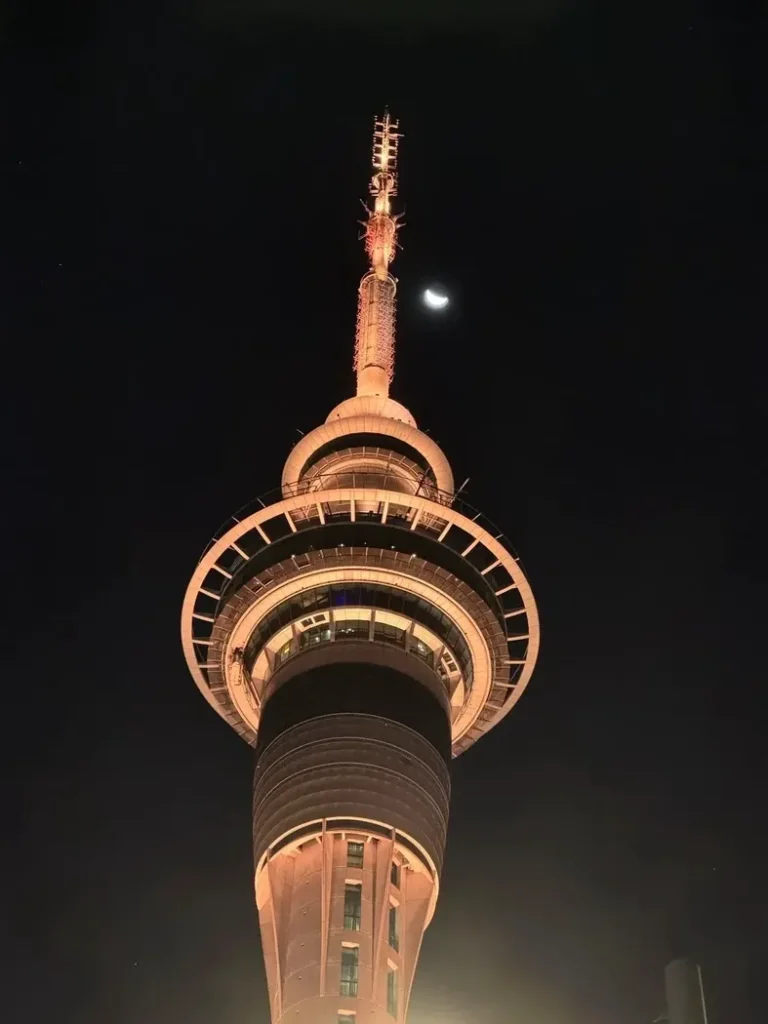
(375, 335)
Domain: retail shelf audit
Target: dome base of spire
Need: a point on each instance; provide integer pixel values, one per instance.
(371, 405)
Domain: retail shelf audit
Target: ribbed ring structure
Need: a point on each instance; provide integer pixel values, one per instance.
(352, 766)
(353, 741)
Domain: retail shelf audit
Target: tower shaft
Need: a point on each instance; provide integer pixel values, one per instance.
(350, 816)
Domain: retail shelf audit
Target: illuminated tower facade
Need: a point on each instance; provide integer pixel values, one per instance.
(358, 629)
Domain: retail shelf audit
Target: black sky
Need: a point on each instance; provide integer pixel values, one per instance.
(180, 270)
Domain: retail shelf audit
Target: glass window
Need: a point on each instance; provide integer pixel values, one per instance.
(394, 928)
(350, 959)
(352, 629)
(284, 652)
(315, 635)
(353, 906)
(386, 633)
(355, 855)
(422, 650)
(394, 875)
(290, 610)
(392, 992)
(345, 1018)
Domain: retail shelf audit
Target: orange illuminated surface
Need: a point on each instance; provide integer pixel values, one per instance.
(359, 629)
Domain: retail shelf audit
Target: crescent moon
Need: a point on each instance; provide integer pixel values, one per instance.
(435, 301)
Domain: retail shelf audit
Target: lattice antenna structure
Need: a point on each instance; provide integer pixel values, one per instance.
(386, 138)
(375, 334)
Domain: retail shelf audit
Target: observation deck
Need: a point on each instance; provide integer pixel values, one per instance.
(304, 568)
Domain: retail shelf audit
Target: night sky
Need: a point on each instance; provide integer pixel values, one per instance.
(180, 264)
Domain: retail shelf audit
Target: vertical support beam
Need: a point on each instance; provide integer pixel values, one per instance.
(294, 638)
(404, 985)
(276, 940)
(380, 902)
(409, 636)
(325, 897)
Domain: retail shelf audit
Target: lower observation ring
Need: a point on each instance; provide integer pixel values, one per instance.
(482, 655)
(490, 559)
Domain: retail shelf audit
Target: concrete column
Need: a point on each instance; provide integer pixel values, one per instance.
(685, 993)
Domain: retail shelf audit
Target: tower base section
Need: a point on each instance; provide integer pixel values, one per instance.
(342, 915)
(350, 813)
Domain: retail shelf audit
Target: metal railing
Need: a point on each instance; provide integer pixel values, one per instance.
(315, 495)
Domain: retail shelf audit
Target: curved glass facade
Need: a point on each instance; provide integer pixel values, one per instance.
(363, 595)
(358, 629)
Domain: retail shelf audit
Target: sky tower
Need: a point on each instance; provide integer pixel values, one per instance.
(359, 630)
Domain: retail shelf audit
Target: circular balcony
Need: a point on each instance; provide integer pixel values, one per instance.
(436, 554)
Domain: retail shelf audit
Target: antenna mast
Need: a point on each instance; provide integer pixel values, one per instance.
(375, 336)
